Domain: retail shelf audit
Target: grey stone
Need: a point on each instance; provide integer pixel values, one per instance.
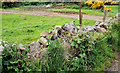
(1, 48)
(21, 46)
(55, 35)
(89, 28)
(117, 15)
(43, 41)
(99, 29)
(71, 27)
(45, 34)
(97, 23)
(57, 27)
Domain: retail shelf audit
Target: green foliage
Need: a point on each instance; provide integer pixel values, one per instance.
(94, 54)
(54, 59)
(14, 59)
(88, 10)
(34, 3)
(10, 4)
(83, 44)
(54, 3)
(75, 5)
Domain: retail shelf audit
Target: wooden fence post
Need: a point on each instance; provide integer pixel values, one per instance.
(80, 15)
(105, 14)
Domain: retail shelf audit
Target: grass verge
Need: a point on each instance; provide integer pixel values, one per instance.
(27, 28)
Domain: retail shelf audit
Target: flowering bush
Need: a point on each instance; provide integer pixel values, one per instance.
(99, 5)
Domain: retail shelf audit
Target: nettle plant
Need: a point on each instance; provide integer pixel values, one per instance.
(93, 52)
(83, 44)
(15, 59)
(88, 51)
(53, 60)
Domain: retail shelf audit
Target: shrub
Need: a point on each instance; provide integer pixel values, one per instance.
(14, 59)
(99, 5)
(54, 58)
(10, 4)
(75, 5)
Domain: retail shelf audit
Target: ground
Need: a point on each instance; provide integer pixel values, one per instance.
(27, 28)
(21, 22)
(115, 64)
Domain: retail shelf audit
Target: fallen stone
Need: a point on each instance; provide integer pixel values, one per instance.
(45, 34)
(97, 23)
(99, 29)
(21, 46)
(35, 47)
(43, 41)
(33, 43)
(71, 27)
(1, 49)
(55, 34)
(89, 28)
(57, 27)
(117, 15)
(103, 25)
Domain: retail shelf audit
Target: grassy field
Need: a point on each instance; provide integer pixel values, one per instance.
(90, 11)
(27, 28)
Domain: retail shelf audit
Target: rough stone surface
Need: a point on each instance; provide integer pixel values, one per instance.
(45, 34)
(99, 29)
(1, 48)
(43, 41)
(71, 27)
(57, 27)
(21, 46)
(97, 23)
(55, 35)
(34, 46)
(117, 15)
(89, 28)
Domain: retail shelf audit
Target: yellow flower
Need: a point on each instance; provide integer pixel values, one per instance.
(98, 5)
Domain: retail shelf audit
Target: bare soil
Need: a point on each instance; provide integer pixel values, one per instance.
(115, 64)
(44, 13)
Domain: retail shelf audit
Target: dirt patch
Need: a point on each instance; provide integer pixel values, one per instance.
(57, 7)
(45, 13)
(115, 64)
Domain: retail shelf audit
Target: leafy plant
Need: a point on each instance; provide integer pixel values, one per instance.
(54, 59)
(15, 59)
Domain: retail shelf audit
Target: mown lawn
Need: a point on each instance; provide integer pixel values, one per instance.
(27, 28)
(90, 11)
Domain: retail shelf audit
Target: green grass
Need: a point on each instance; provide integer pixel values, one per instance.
(16, 29)
(83, 10)
(90, 11)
